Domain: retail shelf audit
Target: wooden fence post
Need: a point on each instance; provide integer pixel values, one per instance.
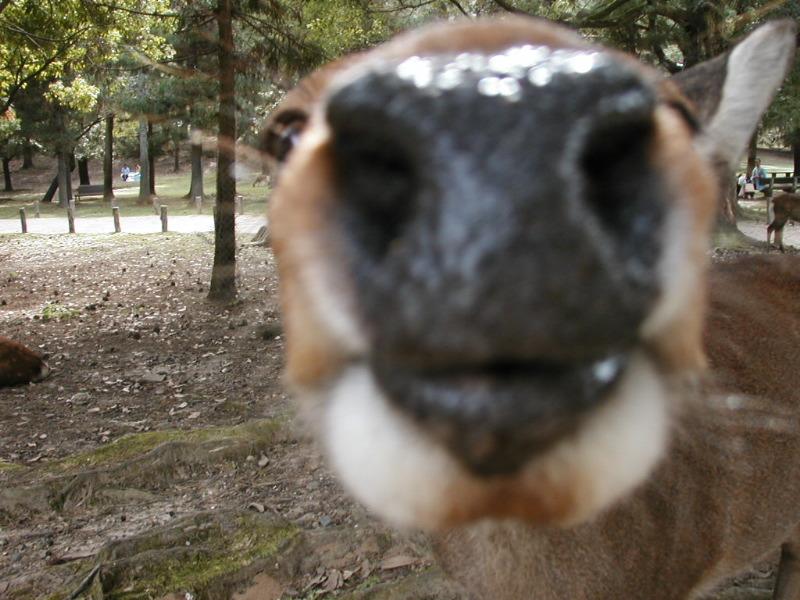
(23, 220)
(164, 218)
(239, 199)
(71, 218)
(36, 208)
(115, 213)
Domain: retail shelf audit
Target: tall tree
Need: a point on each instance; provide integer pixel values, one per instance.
(270, 39)
(223, 274)
(108, 159)
(145, 196)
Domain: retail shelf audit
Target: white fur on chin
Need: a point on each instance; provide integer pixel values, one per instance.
(396, 470)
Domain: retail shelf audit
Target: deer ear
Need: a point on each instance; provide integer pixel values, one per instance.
(732, 91)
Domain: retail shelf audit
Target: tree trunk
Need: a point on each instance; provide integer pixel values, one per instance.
(151, 158)
(72, 163)
(144, 163)
(51, 191)
(796, 152)
(83, 171)
(196, 185)
(64, 187)
(752, 152)
(223, 274)
(108, 160)
(27, 155)
(7, 174)
(729, 205)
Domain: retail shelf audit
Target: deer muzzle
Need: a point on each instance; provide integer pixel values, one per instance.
(502, 225)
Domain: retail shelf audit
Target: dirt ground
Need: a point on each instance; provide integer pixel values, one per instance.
(161, 458)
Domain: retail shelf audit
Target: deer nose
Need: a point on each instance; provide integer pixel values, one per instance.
(502, 223)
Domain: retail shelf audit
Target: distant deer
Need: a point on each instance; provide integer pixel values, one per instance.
(784, 207)
(19, 364)
(492, 242)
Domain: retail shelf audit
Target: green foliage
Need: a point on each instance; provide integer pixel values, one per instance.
(340, 27)
(55, 311)
(10, 138)
(77, 95)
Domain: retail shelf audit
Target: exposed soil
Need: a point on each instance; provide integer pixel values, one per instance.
(160, 459)
(161, 406)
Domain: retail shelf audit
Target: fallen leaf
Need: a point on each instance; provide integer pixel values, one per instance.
(397, 562)
(334, 581)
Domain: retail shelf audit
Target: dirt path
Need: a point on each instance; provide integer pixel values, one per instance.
(161, 458)
(758, 231)
(161, 453)
(245, 224)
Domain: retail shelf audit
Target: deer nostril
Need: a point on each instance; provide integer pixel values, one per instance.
(617, 166)
(376, 177)
(614, 155)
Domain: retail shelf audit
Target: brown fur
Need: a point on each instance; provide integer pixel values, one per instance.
(713, 508)
(785, 207)
(19, 364)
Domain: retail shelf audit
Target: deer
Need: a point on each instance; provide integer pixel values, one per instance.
(784, 207)
(19, 364)
(492, 240)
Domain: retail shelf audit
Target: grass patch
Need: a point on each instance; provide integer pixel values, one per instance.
(54, 311)
(137, 444)
(9, 467)
(170, 189)
(250, 542)
(201, 556)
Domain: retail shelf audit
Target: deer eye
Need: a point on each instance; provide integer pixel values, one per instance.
(283, 134)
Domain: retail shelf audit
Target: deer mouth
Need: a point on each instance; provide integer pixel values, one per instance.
(495, 417)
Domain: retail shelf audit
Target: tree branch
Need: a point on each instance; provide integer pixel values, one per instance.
(87, 128)
(133, 11)
(460, 8)
(401, 7)
(508, 7)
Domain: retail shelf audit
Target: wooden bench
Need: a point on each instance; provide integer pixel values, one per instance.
(84, 191)
(787, 181)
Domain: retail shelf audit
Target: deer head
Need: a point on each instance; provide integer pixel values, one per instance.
(491, 240)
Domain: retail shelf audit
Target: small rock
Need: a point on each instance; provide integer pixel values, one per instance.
(263, 461)
(269, 331)
(80, 398)
(152, 377)
(325, 521)
(256, 506)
